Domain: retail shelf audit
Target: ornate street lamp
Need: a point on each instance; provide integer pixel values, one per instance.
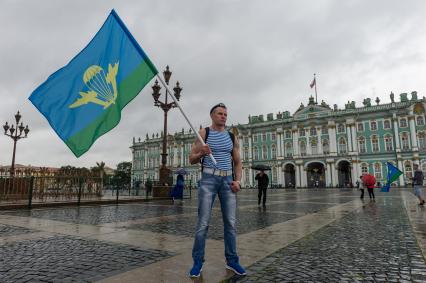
(15, 132)
(165, 106)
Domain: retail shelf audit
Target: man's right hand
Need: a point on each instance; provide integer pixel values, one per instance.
(205, 150)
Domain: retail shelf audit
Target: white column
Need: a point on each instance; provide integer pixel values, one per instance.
(308, 143)
(251, 177)
(354, 172)
(395, 133)
(349, 138)
(297, 173)
(304, 176)
(328, 175)
(401, 177)
(335, 175)
(250, 148)
(319, 145)
(332, 136)
(279, 148)
(295, 143)
(280, 175)
(413, 133)
(354, 139)
(240, 139)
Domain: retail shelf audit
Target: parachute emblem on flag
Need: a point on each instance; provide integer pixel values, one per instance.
(102, 88)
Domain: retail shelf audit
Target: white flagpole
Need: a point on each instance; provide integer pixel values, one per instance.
(184, 115)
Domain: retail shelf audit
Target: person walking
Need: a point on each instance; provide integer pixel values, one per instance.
(262, 185)
(418, 183)
(369, 181)
(222, 179)
(360, 185)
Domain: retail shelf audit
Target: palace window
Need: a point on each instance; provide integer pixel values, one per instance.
(364, 168)
(314, 146)
(361, 145)
(288, 149)
(246, 176)
(375, 144)
(264, 152)
(408, 170)
(342, 145)
(404, 141)
(274, 175)
(386, 124)
(378, 170)
(302, 132)
(274, 151)
(246, 140)
(423, 167)
(264, 137)
(325, 146)
(288, 134)
(313, 131)
(302, 147)
(360, 127)
(373, 125)
(246, 153)
(420, 121)
(388, 143)
(324, 130)
(403, 123)
(273, 136)
(255, 153)
(422, 140)
(255, 138)
(340, 128)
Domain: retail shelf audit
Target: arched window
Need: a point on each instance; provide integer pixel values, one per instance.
(422, 140)
(274, 151)
(274, 175)
(373, 125)
(375, 143)
(364, 168)
(264, 137)
(404, 141)
(360, 127)
(408, 169)
(246, 153)
(386, 124)
(264, 152)
(273, 136)
(325, 146)
(361, 145)
(313, 131)
(314, 146)
(324, 130)
(342, 145)
(302, 132)
(388, 143)
(403, 123)
(340, 128)
(255, 153)
(302, 146)
(378, 170)
(288, 149)
(420, 121)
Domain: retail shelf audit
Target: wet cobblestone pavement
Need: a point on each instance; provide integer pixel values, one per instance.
(301, 236)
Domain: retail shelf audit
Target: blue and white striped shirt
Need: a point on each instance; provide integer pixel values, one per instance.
(221, 146)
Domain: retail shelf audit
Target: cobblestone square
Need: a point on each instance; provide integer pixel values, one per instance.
(301, 236)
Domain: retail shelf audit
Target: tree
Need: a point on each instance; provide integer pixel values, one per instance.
(122, 175)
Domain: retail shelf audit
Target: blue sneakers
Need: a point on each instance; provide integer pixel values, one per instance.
(236, 267)
(196, 270)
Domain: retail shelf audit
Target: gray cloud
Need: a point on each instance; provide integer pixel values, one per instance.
(256, 56)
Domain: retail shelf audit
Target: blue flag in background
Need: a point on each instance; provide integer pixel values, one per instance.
(393, 174)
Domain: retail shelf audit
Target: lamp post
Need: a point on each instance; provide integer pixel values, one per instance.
(165, 106)
(15, 136)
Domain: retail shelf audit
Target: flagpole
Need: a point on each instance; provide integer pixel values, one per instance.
(316, 96)
(184, 115)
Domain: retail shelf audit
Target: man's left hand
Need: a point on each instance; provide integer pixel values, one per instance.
(235, 186)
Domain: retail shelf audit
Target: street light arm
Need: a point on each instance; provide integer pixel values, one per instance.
(184, 115)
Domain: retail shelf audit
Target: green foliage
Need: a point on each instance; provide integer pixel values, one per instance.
(122, 175)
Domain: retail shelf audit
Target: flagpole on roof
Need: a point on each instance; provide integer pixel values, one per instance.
(316, 96)
(184, 115)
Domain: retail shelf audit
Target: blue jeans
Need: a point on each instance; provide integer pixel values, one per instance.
(210, 186)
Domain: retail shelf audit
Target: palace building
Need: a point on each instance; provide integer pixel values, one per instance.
(315, 146)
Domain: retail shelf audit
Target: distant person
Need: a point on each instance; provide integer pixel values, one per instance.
(369, 181)
(148, 186)
(262, 185)
(177, 191)
(418, 183)
(360, 185)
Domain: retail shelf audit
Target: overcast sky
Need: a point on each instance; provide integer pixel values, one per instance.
(257, 57)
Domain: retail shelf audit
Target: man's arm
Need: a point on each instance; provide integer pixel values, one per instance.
(238, 167)
(198, 150)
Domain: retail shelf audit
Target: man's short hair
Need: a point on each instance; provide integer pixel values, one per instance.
(216, 106)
